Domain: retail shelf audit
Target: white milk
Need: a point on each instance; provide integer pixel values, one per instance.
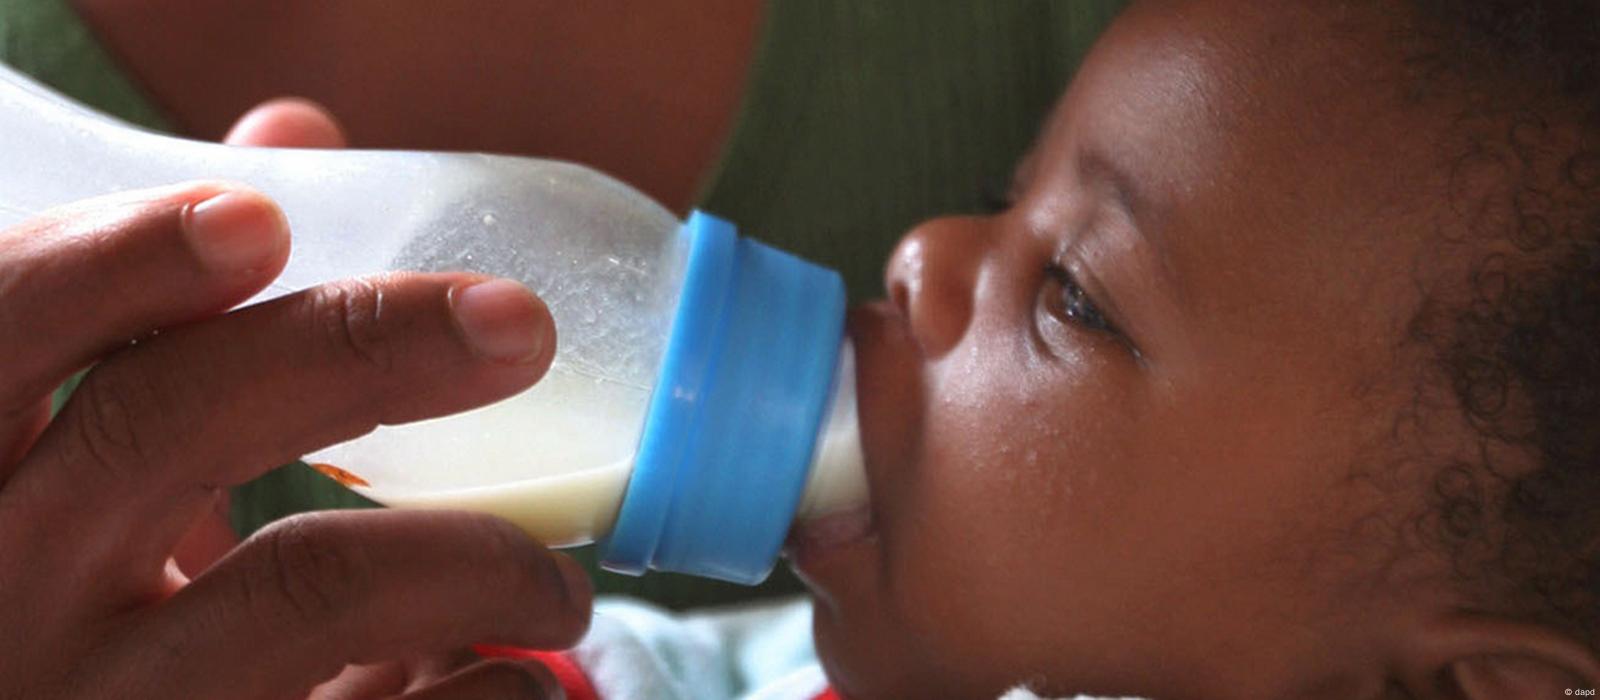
(838, 478)
(566, 509)
(554, 459)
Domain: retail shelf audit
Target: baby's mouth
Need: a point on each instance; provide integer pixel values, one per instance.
(810, 538)
(886, 374)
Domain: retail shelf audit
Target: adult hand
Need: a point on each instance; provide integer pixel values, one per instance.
(185, 400)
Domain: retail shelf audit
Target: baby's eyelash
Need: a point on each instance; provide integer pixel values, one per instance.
(1073, 303)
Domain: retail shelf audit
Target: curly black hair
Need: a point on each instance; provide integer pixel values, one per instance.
(1516, 345)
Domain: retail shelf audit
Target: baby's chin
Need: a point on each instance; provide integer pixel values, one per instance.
(840, 651)
(866, 657)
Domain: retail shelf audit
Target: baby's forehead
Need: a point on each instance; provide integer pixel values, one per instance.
(1243, 64)
(1214, 97)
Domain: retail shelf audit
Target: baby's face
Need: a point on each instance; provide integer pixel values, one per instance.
(1112, 433)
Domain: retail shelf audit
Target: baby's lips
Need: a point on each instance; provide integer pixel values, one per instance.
(828, 531)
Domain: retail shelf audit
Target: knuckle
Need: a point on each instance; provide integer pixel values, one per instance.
(507, 550)
(349, 316)
(503, 539)
(32, 257)
(533, 573)
(110, 407)
(510, 544)
(313, 575)
(18, 270)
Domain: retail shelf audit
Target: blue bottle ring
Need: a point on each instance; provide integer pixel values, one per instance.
(734, 417)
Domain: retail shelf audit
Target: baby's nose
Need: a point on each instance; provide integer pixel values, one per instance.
(930, 278)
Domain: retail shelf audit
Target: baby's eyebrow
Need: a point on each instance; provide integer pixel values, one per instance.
(1128, 194)
(1094, 165)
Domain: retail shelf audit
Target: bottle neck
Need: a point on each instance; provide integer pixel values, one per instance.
(838, 479)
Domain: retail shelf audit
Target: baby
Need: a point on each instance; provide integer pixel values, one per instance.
(1273, 378)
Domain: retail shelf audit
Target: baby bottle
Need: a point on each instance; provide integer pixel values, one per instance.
(702, 395)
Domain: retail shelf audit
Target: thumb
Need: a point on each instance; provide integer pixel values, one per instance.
(290, 122)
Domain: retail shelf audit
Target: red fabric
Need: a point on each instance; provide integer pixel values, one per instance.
(569, 675)
(566, 671)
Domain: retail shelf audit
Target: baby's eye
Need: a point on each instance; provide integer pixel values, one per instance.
(1069, 301)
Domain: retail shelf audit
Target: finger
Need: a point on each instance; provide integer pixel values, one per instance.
(427, 670)
(155, 429)
(81, 280)
(495, 679)
(360, 682)
(18, 430)
(312, 593)
(288, 122)
(391, 678)
(211, 537)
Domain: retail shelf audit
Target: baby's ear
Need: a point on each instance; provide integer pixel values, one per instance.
(1476, 657)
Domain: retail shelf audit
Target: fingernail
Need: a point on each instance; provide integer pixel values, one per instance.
(573, 576)
(501, 319)
(236, 231)
(579, 593)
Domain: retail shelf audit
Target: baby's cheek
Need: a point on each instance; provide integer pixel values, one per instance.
(986, 507)
(1002, 524)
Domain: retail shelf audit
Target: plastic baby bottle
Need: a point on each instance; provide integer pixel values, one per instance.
(702, 396)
